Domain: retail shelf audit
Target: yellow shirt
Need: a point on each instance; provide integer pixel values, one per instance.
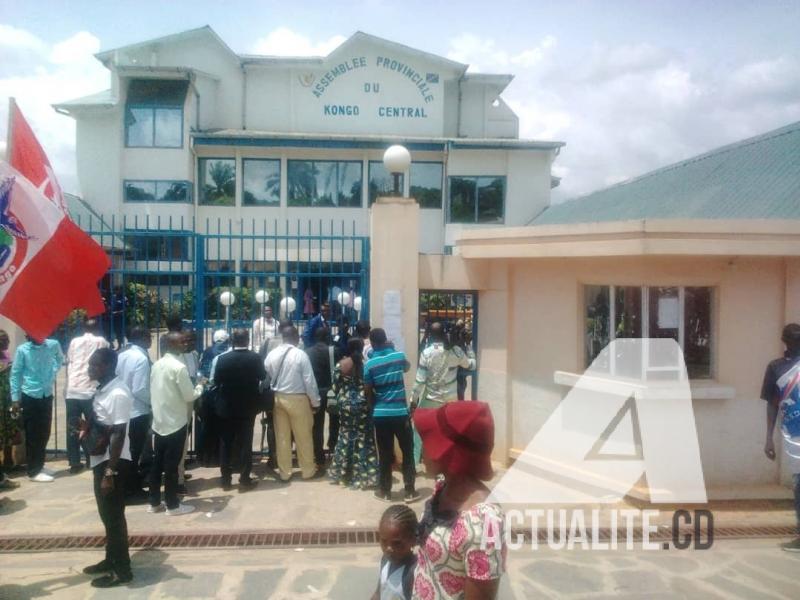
(170, 391)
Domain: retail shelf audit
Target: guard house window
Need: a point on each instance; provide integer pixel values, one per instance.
(324, 183)
(426, 184)
(158, 191)
(381, 182)
(262, 182)
(680, 313)
(476, 200)
(154, 113)
(157, 245)
(217, 185)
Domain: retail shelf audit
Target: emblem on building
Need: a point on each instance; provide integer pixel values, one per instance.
(306, 79)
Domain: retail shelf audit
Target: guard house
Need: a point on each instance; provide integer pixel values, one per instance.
(190, 129)
(705, 251)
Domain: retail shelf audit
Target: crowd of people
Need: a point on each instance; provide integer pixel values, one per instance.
(129, 417)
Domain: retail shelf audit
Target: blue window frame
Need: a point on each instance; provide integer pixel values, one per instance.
(478, 199)
(149, 244)
(261, 179)
(154, 113)
(324, 183)
(157, 190)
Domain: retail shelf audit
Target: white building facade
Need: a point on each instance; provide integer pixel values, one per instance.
(189, 129)
(272, 154)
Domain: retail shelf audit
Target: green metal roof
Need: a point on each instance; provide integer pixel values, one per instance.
(757, 178)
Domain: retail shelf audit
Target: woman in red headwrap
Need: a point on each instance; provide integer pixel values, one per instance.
(462, 541)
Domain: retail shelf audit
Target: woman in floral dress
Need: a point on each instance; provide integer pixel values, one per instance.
(9, 427)
(355, 461)
(462, 550)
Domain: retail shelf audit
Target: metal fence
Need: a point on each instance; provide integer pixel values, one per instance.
(181, 266)
(164, 266)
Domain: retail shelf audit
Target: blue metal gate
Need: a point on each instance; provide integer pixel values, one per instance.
(178, 266)
(172, 266)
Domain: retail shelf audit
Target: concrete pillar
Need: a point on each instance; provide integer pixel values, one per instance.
(494, 341)
(394, 267)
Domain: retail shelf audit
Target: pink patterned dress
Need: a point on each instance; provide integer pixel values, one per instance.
(450, 549)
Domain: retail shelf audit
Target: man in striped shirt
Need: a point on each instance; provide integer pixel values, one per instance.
(386, 394)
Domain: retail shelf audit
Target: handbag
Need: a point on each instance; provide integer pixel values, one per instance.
(332, 406)
(207, 403)
(266, 395)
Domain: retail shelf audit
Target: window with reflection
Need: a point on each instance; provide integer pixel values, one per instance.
(324, 183)
(477, 200)
(675, 312)
(426, 183)
(157, 191)
(217, 185)
(154, 113)
(381, 182)
(261, 182)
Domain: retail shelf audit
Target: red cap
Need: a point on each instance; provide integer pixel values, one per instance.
(459, 436)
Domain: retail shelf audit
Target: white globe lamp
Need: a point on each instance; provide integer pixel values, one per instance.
(227, 298)
(397, 160)
(357, 303)
(343, 298)
(262, 296)
(288, 305)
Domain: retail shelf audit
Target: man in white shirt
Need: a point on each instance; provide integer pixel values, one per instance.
(296, 401)
(80, 387)
(170, 393)
(112, 407)
(264, 329)
(133, 368)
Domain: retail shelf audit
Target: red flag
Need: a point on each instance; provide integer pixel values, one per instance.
(48, 265)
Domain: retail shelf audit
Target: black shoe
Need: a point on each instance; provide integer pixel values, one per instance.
(182, 491)
(246, 485)
(187, 476)
(102, 567)
(411, 496)
(793, 546)
(112, 580)
(318, 474)
(75, 469)
(383, 496)
(226, 485)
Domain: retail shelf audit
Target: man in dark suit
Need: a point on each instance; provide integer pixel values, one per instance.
(320, 356)
(321, 320)
(238, 374)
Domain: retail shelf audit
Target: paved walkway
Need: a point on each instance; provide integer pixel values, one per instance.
(67, 506)
(747, 569)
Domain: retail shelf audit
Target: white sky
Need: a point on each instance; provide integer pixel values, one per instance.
(628, 85)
